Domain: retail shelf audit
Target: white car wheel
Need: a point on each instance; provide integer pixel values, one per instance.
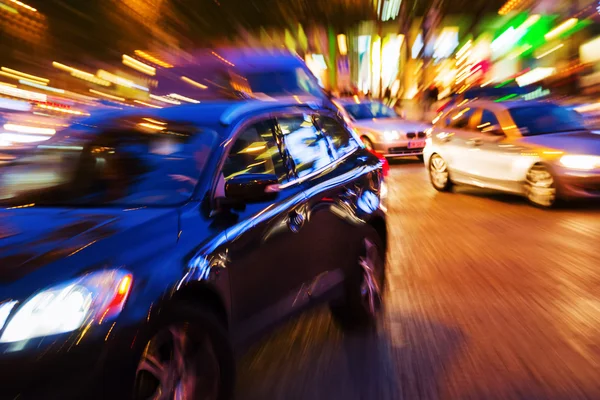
(438, 173)
(541, 187)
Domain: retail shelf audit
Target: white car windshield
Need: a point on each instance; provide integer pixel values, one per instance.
(370, 110)
(546, 118)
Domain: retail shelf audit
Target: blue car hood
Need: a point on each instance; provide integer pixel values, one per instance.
(31, 238)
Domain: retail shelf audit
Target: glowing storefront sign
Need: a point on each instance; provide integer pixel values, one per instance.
(364, 62)
(510, 37)
(390, 10)
(317, 65)
(376, 65)
(534, 76)
(562, 28)
(390, 59)
(446, 43)
(417, 46)
(590, 52)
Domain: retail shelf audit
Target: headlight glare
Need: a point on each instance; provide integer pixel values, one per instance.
(580, 162)
(390, 136)
(64, 308)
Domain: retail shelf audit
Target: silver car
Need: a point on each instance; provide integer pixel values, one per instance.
(537, 149)
(382, 130)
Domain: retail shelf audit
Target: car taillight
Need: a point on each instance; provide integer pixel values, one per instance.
(384, 161)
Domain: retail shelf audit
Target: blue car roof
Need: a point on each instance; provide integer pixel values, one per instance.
(246, 60)
(206, 113)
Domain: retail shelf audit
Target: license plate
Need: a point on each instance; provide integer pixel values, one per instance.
(416, 144)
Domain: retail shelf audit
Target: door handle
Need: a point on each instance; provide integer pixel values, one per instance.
(295, 221)
(475, 142)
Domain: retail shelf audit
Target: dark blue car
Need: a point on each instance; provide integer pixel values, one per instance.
(140, 248)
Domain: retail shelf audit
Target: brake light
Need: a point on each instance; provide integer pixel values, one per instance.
(119, 298)
(125, 285)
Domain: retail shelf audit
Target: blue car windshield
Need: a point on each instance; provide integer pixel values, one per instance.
(546, 118)
(147, 164)
(284, 83)
(370, 111)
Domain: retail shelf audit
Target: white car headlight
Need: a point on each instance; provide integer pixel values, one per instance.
(390, 136)
(579, 162)
(98, 296)
(5, 309)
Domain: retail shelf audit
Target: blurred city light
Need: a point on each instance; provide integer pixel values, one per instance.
(193, 82)
(562, 28)
(535, 75)
(77, 73)
(40, 86)
(389, 9)
(14, 105)
(24, 75)
(164, 99)
(8, 139)
(108, 96)
(182, 98)
(23, 94)
(152, 59)
(138, 65)
(29, 129)
(146, 104)
(446, 43)
(388, 49)
(20, 77)
(552, 50)
(117, 80)
(509, 6)
(152, 126)
(25, 6)
(342, 44)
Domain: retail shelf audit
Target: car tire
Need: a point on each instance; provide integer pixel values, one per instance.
(439, 174)
(364, 286)
(189, 356)
(540, 187)
(368, 143)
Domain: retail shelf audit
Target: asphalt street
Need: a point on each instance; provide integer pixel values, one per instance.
(488, 298)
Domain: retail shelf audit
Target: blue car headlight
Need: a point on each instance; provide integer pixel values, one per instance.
(95, 297)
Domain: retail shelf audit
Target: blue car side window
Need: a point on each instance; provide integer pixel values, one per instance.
(305, 144)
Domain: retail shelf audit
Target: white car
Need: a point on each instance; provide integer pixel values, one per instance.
(536, 149)
(382, 130)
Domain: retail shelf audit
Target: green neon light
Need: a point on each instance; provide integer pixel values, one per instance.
(578, 26)
(525, 34)
(507, 97)
(502, 84)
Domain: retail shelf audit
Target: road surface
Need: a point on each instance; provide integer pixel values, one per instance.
(489, 298)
